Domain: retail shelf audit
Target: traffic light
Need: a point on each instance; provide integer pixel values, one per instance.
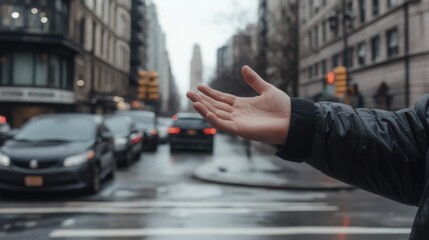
(153, 85)
(143, 85)
(341, 78)
(330, 78)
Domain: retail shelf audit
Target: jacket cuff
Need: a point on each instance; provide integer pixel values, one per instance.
(302, 126)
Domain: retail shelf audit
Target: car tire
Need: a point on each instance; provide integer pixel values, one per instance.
(112, 173)
(209, 149)
(173, 148)
(129, 159)
(94, 184)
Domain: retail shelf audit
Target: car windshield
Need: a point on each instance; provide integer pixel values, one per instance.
(118, 125)
(142, 119)
(190, 122)
(68, 129)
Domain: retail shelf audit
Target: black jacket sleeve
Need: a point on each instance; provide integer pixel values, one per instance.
(379, 151)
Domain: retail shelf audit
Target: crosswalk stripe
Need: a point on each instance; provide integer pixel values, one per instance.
(110, 210)
(193, 204)
(82, 233)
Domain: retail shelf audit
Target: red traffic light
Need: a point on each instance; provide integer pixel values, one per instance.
(330, 78)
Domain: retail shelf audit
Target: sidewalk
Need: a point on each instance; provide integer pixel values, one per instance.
(263, 169)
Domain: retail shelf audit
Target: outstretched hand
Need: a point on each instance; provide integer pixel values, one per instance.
(264, 118)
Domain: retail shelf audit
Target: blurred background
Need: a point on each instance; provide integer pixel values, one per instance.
(98, 139)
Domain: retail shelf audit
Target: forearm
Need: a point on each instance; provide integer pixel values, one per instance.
(382, 152)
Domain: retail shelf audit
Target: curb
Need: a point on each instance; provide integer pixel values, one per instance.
(199, 174)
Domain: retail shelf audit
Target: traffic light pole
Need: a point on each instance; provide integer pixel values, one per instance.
(345, 34)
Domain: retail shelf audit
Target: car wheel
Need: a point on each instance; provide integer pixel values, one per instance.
(112, 173)
(129, 158)
(209, 149)
(94, 184)
(173, 147)
(137, 156)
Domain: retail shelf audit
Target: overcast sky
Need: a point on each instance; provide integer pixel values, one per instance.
(208, 23)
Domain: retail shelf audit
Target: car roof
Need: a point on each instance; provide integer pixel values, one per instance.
(142, 113)
(96, 118)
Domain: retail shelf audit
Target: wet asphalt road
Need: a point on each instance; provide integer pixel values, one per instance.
(156, 198)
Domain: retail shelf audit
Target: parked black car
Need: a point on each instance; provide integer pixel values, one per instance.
(146, 122)
(191, 131)
(58, 152)
(127, 139)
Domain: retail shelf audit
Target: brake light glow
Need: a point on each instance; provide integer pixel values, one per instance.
(136, 139)
(3, 119)
(209, 131)
(174, 130)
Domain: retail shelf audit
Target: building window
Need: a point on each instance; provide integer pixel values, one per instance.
(35, 16)
(310, 40)
(55, 72)
(82, 25)
(22, 69)
(324, 32)
(362, 11)
(310, 71)
(324, 66)
(35, 70)
(41, 73)
(316, 69)
(335, 60)
(361, 53)
(375, 7)
(392, 3)
(350, 57)
(392, 43)
(375, 49)
(4, 69)
(316, 37)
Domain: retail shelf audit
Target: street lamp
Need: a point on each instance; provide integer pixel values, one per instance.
(346, 21)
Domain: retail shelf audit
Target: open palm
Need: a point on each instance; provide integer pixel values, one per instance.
(264, 118)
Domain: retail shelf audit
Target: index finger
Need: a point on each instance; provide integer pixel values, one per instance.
(217, 95)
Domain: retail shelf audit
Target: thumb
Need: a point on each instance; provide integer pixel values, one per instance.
(254, 80)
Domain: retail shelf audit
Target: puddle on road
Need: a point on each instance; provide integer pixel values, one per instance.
(189, 191)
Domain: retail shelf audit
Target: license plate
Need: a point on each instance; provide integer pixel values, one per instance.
(192, 132)
(33, 181)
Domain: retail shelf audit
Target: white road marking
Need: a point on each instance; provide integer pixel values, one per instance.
(193, 204)
(82, 233)
(110, 210)
(69, 222)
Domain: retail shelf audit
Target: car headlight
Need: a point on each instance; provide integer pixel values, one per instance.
(4, 160)
(120, 143)
(78, 159)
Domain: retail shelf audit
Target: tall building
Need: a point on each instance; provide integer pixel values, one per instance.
(62, 56)
(196, 70)
(239, 50)
(387, 50)
(138, 44)
(157, 57)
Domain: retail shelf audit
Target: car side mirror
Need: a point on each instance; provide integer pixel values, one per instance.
(11, 134)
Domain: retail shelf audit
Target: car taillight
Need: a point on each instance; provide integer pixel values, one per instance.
(209, 131)
(136, 139)
(174, 130)
(3, 119)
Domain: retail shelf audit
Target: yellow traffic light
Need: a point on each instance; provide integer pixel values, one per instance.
(153, 86)
(341, 77)
(142, 85)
